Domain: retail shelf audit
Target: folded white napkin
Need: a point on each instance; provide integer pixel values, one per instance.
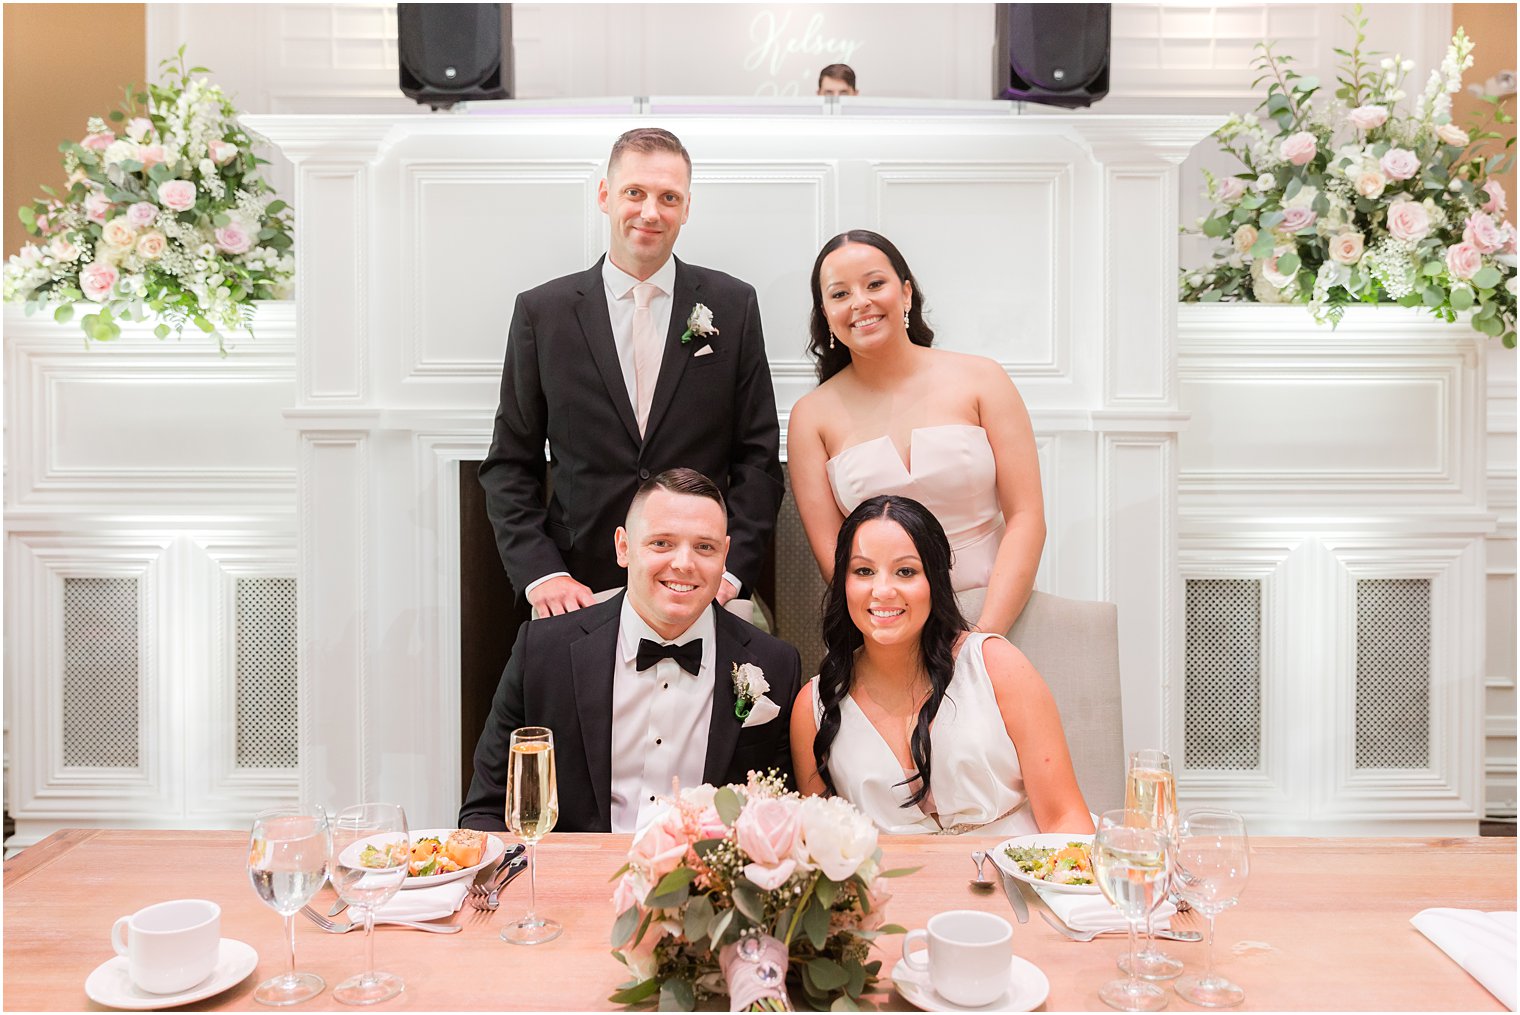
(1481, 943)
(425, 903)
(1093, 912)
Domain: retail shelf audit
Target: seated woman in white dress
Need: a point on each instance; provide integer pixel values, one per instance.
(921, 723)
(892, 415)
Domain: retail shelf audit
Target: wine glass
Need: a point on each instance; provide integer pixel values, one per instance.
(371, 855)
(1150, 788)
(532, 810)
(287, 863)
(1130, 859)
(1213, 859)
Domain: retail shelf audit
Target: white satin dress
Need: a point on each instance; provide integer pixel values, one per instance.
(975, 783)
(954, 475)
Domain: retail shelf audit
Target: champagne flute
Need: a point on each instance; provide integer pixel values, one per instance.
(371, 856)
(1150, 788)
(1213, 859)
(287, 863)
(1130, 859)
(532, 810)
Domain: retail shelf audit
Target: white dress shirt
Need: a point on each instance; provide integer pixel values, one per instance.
(660, 718)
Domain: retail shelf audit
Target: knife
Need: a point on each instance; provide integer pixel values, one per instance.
(1015, 897)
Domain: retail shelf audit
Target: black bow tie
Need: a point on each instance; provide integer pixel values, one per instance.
(688, 656)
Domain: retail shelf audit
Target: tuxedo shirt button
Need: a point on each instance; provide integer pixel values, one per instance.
(665, 686)
(658, 741)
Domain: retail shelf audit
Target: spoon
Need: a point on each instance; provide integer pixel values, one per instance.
(980, 881)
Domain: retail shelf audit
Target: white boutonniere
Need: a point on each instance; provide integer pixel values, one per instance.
(749, 686)
(699, 323)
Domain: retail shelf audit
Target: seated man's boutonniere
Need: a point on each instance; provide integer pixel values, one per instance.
(699, 324)
(750, 702)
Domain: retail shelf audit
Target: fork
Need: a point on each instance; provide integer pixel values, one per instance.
(487, 902)
(1088, 935)
(333, 927)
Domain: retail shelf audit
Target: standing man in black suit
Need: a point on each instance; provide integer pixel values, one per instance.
(640, 364)
(651, 685)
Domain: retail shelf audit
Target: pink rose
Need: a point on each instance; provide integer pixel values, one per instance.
(1463, 260)
(151, 155)
(1408, 220)
(1451, 134)
(878, 896)
(150, 246)
(177, 195)
(97, 279)
(1400, 163)
(232, 238)
(63, 249)
(1231, 188)
(1346, 248)
(1496, 202)
(142, 214)
(221, 152)
(768, 879)
(97, 207)
(767, 830)
(630, 891)
(1508, 231)
(1483, 233)
(1295, 219)
(640, 957)
(661, 847)
(1365, 118)
(1298, 148)
(98, 142)
(1370, 183)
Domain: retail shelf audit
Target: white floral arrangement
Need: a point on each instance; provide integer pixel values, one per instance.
(165, 216)
(732, 887)
(1354, 201)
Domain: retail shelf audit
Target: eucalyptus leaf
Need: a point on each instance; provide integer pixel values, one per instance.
(636, 993)
(843, 1003)
(720, 927)
(697, 918)
(826, 890)
(900, 872)
(1433, 296)
(1288, 263)
(624, 926)
(1433, 268)
(827, 974)
(815, 923)
(64, 313)
(1488, 277)
(677, 995)
(857, 978)
(749, 901)
(162, 331)
(1461, 298)
(275, 207)
(728, 805)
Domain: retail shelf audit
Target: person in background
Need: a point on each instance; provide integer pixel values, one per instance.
(837, 79)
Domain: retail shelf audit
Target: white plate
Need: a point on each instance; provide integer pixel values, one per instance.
(494, 849)
(1027, 989)
(111, 985)
(1044, 840)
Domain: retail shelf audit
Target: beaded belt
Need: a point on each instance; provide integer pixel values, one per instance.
(971, 826)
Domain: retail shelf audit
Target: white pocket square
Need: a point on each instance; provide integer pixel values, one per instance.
(763, 711)
(706, 350)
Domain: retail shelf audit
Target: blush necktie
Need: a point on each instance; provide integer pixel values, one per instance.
(646, 351)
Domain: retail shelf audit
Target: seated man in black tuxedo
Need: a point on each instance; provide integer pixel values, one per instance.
(641, 689)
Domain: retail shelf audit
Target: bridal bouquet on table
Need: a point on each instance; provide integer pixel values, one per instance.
(1354, 200)
(164, 215)
(731, 886)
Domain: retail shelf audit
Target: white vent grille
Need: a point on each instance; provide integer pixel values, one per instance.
(1393, 642)
(1222, 691)
(266, 673)
(102, 673)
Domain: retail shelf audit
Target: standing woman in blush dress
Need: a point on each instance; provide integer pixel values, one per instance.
(891, 415)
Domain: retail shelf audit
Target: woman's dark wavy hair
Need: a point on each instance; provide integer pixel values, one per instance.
(831, 361)
(936, 641)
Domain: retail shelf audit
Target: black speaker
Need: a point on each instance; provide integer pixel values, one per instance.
(454, 52)
(1056, 54)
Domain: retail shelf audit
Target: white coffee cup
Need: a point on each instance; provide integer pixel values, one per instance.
(170, 946)
(967, 958)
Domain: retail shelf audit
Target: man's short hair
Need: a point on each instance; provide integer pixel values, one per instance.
(646, 140)
(839, 72)
(689, 482)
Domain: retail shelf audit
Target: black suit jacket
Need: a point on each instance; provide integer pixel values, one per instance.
(560, 676)
(715, 413)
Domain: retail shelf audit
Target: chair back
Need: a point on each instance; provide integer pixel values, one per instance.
(1075, 646)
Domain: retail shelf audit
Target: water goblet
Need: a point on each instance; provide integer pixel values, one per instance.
(287, 863)
(1149, 787)
(1212, 857)
(371, 855)
(532, 810)
(1130, 861)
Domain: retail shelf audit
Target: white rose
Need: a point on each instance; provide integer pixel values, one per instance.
(118, 233)
(1265, 182)
(1451, 134)
(835, 836)
(120, 151)
(753, 678)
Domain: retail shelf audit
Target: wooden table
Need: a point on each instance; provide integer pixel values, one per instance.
(1324, 923)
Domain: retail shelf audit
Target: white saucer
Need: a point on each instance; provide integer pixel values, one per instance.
(1027, 989)
(111, 986)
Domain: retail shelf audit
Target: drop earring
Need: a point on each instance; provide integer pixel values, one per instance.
(905, 317)
(831, 341)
